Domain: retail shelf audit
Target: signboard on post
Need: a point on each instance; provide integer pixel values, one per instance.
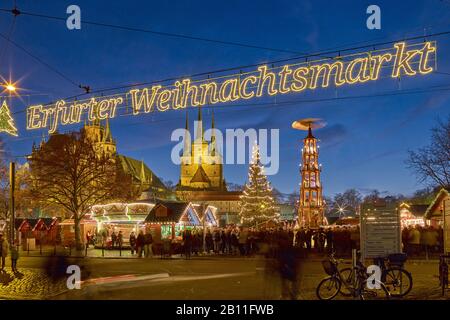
(380, 231)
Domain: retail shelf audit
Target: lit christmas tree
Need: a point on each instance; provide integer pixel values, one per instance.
(257, 203)
(6, 121)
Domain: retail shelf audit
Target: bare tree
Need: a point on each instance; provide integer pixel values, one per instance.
(22, 192)
(348, 201)
(432, 163)
(68, 172)
(373, 196)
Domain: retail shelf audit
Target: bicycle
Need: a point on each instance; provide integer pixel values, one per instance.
(357, 287)
(397, 280)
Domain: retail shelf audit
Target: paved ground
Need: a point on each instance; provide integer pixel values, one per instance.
(199, 278)
(29, 283)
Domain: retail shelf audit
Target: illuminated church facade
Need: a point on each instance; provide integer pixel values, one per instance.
(201, 163)
(201, 174)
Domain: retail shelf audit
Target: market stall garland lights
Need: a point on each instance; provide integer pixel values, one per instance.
(401, 59)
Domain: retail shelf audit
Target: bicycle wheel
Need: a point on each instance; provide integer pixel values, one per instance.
(398, 281)
(328, 288)
(346, 276)
(374, 294)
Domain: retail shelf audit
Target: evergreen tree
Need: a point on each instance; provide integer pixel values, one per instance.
(257, 203)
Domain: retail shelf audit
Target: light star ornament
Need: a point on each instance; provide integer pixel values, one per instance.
(6, 120)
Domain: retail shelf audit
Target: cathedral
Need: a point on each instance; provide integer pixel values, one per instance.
(142, 176)
(201, 163)
(201, 174)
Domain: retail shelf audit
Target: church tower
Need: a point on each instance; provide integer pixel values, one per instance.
(311, 206)
(201, 163)
(101, 137)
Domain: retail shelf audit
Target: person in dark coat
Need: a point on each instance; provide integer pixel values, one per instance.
(229, 244)
(329, 237)
(140, 243)
(148, 244)
(113, 239)
(196, 243)
(234, 241)
(187, 243)
(132, 242)
(223, 241)
(120, 239)
(288, 265)
(308, 238)
(209, 241)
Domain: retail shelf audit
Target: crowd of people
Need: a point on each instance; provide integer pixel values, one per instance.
(248, 241)
(244, 241)
(417, 240)
(422, 240)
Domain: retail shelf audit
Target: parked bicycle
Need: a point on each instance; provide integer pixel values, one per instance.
(356, 287)
(397, 280)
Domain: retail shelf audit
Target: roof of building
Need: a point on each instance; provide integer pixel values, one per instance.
(173, 213)
(347, 221)
(418, 210)
(32, 222)
(134, 168)
(202, 195)
(200, 176)
(441, 195)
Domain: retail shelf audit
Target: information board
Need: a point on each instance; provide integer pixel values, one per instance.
(380, 231)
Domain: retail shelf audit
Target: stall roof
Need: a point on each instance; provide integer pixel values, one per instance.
(435, 204)
(173, 211)
(34, 222)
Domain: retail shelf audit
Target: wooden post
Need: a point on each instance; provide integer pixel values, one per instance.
(12, 187)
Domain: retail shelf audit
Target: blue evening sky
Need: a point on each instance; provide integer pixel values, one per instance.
(366, 141)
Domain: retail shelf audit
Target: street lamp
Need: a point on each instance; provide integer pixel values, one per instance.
(10, 87)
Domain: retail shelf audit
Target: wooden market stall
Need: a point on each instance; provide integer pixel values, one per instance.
(40, 230)
(434, 212)
(115, 218)
(67, 230)
(168, 219)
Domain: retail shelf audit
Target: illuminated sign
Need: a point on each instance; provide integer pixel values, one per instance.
(400, 60)
(6, 120)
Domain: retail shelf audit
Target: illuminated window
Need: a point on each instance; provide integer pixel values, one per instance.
(166, 231)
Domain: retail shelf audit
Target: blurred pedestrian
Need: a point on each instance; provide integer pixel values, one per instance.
(289, 264)
(223, 242)
(187, 243)
(132, 241)
(234, 241)
(113, 239)
(308, 238)
(414, 240)
(88, 238)
(216, 238)
(4, 247)
(120, 239)
(243, 237)
(140, 243)
(209, 241)
(148, 244)
(14, 257)
(330, 240)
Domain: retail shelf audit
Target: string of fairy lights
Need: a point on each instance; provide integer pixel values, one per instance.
(323, 54)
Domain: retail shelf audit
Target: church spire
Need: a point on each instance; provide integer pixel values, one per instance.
(187, 142)
(199, 134)
(107, 137)
(142, 176)
(213, 135)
